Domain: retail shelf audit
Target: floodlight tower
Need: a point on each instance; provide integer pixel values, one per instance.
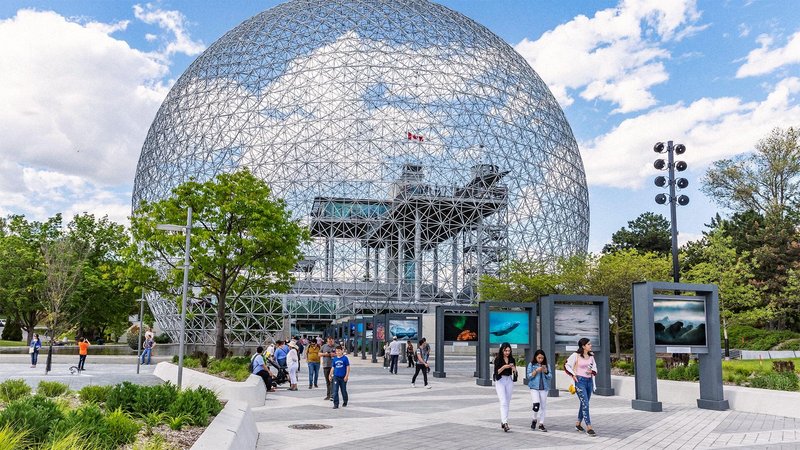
(681, 183)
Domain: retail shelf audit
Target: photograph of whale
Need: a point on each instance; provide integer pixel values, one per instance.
(404, 329)
(504, 328)
(509, 326)
(573, 322)
(679, 322)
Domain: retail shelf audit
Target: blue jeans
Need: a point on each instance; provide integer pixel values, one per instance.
(393, 364)
(339, 383)
(313, 373)
(146, 355)
(34, 357)
(583, 387)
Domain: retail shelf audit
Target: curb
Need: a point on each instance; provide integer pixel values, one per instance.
(234, 428)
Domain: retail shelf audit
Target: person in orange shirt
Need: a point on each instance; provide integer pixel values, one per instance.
(83, 350)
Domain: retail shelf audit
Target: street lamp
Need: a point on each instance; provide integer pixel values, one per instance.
(188, 231)
(681, 183)
(141, 325)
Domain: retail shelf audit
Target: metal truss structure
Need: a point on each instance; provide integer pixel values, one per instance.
(419, 148)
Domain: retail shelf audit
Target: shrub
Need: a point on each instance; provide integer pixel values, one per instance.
(154, 398)
(11, 332)
(34, 415)
(123, 396)
(162, 339)
(121, 429)
(51, 388)
(751, 338)
(213, 405)
(156, 442)
(13, 389)
(197, 404)
(133, 337)
(87, 420)
(662, 373)
(177, 422)
(95, 394)
(71, 441)
(781, 381)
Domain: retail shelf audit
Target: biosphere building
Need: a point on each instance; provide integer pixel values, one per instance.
(418, 147)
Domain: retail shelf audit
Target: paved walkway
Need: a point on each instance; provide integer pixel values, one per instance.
(100, 370)
(386, 412)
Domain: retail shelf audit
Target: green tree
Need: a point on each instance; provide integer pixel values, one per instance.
(519, 281)
(21, 268)
(242, 239)
(103, 295)
(647, 233)
(766, 181)
(613, 275)
(718, 263)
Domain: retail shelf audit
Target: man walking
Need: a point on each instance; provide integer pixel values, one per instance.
(422, 365)
(327, 352)
(394, 351)
(339, 376)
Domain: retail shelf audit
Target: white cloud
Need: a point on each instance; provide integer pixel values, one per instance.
(77, 104)
(711, 129)
(614, 56)
(764, 60)
(172, 22)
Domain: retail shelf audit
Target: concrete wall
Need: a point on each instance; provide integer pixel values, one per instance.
(760, 401)
(233, 429)
(250, 391)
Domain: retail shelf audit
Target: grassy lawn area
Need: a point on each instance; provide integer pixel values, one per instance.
(12, 343)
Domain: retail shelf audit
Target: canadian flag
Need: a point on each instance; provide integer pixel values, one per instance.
(415, 137)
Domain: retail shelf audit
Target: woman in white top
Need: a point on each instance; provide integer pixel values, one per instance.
(582, 367)
(293, 363)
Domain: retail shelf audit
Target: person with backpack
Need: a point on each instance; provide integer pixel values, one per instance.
(258, 367)
(581, 367)
(538, 374)
(281, 349)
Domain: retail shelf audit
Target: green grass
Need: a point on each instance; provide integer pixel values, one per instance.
(12, 343)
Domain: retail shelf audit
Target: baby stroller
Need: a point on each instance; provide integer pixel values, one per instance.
(282, 374)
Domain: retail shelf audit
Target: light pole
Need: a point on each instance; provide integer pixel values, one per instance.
(188, 231)
(141, 325)
(681, 183)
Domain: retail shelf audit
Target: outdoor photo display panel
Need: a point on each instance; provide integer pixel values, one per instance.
(679, 322)
(404, 329)
(509, 326)
(460, 328)
(573, 322)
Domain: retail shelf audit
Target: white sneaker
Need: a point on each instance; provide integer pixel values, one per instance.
(412, 385)
(428, 386)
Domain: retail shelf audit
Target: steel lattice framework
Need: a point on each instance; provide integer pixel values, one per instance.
(419, 148)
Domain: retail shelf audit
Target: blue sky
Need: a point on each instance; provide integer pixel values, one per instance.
(82, 81)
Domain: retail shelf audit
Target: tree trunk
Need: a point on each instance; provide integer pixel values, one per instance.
(219, 347)
(616, 341)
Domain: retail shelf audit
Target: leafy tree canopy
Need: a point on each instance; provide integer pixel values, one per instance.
(242, 238)
(647, 233)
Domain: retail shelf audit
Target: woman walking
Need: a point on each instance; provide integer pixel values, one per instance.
(312, 355)
(410, 353)
(36, 345)
(293, 363)
(505, 371)
(539, 382)
(582, 367)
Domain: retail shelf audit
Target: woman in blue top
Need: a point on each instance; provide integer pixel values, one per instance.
(539, 381)
(36, 345)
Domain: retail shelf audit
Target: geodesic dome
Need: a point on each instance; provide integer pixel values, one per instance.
(421, 150)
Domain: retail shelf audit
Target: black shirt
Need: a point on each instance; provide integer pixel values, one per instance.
(500, 362)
